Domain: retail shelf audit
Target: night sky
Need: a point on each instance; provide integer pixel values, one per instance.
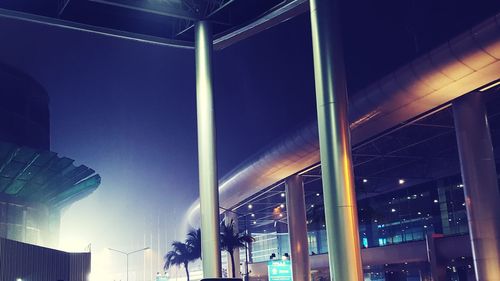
(127, 109)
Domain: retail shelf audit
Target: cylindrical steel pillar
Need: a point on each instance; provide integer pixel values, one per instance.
(207, 164)
(482, 197)
(334, 140)
(297, 228)
(232, 217)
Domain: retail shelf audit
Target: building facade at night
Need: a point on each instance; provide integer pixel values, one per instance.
(425, 202)
(398, 184)
(35, 183)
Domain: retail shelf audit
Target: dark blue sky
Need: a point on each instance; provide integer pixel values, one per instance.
(127, 110)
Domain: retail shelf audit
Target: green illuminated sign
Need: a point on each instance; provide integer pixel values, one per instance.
(279, 270)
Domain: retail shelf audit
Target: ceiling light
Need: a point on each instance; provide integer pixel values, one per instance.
(492, 85)
(365, 180)
(401, 181)
(250, 206)
(282, 194)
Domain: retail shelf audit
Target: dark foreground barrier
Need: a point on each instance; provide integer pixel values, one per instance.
(222, 279)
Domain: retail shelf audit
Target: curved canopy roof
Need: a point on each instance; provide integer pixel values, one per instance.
(39, 176)
(466, 63)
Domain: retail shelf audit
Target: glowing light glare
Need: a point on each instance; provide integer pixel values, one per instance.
(253, 215)
(435, 201)
(282, 206)
(250, 206)
(401, 181)
(365, 180)
(393, 210)
(19, 279)
(282, 194)
(317, 194)
(490, 86)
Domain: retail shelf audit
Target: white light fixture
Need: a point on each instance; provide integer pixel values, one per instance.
(250, 206)
(282, 194)
(282, 206)
(490, 86)
(401, 181)
(393, 210)
(312, 206)
(317, 194)
(365, 180)
(436, 201)
(253, 215)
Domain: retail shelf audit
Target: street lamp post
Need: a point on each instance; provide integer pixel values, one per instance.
(128, 254)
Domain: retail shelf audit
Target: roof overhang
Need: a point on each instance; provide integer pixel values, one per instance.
(464, 64)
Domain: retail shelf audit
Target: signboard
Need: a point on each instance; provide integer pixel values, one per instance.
(279, 270)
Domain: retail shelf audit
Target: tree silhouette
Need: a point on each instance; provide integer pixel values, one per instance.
(179, 255)
(230, 240)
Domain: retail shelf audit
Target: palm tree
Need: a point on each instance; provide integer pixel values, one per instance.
(231, 241)
(179, 255)
(194, 241)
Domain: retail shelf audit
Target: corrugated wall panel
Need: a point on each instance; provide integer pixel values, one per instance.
(34, 263)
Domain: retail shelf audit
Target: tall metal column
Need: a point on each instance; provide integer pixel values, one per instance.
(334, 140)
(297, 228)
(482, 197)
(209, 193)
(231, 217)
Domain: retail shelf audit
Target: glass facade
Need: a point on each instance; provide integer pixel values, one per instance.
(409, 189)
(23, 223)
(405, 215)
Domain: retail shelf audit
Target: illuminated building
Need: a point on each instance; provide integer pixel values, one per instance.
(422, 137)
(36, 184)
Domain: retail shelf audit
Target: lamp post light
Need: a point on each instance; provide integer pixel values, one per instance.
(128, 254)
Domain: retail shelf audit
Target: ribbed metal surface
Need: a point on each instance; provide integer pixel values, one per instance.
(33, 263)
(42, 176)
(462, 65)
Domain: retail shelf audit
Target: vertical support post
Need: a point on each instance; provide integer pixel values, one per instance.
(297, 228)
(334, 141)
(482, 197)
(207, 164)
(438, 270)
(228, 218)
